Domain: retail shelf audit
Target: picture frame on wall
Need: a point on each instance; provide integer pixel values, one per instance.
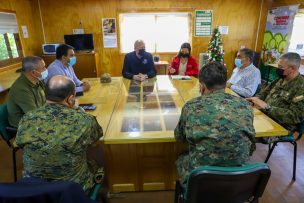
(109, 30)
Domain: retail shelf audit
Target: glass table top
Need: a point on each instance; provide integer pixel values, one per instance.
(140, 112)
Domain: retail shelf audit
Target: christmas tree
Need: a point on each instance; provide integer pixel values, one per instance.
(215, 48)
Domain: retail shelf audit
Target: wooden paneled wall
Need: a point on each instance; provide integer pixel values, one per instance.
(27, 13)
(242, 17)
(288, 2)
(60, 17)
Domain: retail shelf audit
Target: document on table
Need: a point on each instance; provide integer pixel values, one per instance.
(180, 77)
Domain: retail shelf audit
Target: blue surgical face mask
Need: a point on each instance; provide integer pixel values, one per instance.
(238, 62)
(44, 75)
(72, 61)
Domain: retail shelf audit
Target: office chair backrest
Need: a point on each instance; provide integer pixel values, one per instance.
(258, 89)
(33, 190)
(256, 59)
(227, 184)
(300, 127)
(300, 130)
(4, 122)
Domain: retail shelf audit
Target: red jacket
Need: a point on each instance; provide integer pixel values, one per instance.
(192, 67)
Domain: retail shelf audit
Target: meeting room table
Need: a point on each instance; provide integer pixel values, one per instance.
(138, 121)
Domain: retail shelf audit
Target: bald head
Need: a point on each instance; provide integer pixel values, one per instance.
(58, 88)
(139, 44)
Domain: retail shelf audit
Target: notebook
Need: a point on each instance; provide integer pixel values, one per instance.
(180, 77)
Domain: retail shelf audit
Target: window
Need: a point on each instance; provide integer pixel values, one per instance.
(161, 32)
(297, 37)
(10, 46)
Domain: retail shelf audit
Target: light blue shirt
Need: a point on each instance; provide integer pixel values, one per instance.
(246, 81)
(57, 68)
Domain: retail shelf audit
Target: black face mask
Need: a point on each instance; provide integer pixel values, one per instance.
(141, 52)
(184, 55)
(280, 72)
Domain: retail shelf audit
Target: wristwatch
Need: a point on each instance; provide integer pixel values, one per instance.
(268, 107)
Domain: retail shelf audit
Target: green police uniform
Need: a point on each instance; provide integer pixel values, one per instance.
(24, 96)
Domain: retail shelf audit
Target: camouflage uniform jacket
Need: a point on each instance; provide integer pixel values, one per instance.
(219, 130)
(286, 101)
(54, 139)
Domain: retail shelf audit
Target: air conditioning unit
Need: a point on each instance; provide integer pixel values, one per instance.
(203, 59)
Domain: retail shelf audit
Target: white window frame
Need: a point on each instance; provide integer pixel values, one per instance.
(151, 45)
(290, 49)
(9, 26)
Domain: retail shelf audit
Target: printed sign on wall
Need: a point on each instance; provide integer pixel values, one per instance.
(203, 23)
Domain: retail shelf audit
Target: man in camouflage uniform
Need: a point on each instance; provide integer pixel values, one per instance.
(283, 99)
(55, 137)
(217, 126)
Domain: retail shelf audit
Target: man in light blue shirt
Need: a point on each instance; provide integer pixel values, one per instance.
(63, 65)
(245, 78)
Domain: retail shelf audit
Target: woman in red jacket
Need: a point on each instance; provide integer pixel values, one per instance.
(183, 63)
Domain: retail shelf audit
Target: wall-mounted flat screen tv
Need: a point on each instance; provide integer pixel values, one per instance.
(80, 42)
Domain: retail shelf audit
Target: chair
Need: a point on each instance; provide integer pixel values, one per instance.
(7, 133)
(257, 90)
(212, 184)
(99, 193)
(28, 190)
(292, 140)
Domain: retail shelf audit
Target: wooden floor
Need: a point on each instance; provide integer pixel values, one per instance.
(280, 188)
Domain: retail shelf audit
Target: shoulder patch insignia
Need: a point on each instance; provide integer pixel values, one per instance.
(298, 98)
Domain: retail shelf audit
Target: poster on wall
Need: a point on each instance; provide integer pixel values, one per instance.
(109, 33)
(278, 31)
(203, 23)
(276, 36)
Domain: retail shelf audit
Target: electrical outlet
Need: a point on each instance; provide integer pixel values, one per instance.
(78, 31)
